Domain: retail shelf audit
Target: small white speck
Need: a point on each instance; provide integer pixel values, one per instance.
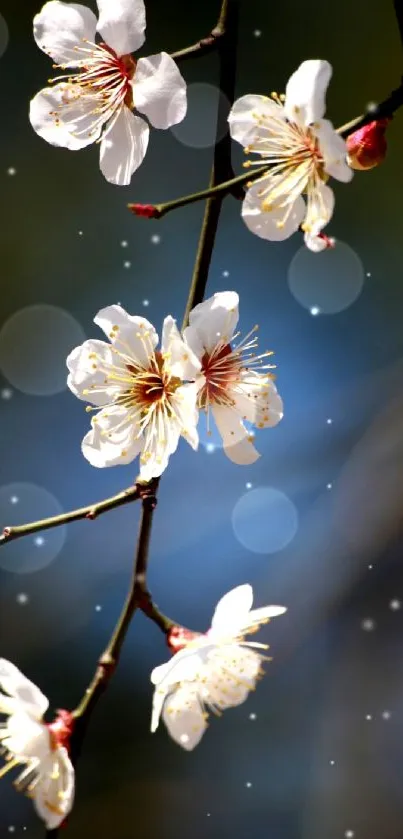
(124, 244)
(14, 499)
(22, 599)
(349, 834)
(370, 567)
(386, 715)
(11, 170)
(368, 717)
(332, 762)
(146, 302)
(395, 605)
(249, 485)
(315, 310)
(80, 233)
(98, 608)
(210, 448)
(39, 541)
(368, 624)
(6, 393)
(208, 814)
(257, 33)
(252, 716)
(329, 421)
(329, 486)
(368, 273)
(155, 239)
(127, 264)
(372, 106)
(248, 784)
(184, 738)
(225, 273)
(11, 828)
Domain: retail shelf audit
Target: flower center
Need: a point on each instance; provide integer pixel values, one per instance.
(221, 368)
(153, 385)
(103, 78)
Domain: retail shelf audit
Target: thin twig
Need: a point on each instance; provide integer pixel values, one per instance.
(91, 512)
(138, 596)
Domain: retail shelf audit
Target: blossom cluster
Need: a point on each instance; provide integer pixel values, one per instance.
(215, 671)
(144, 395)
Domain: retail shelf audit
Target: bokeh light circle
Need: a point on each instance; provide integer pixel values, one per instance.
(326, 282)
(264, 520)
(34, 345)
(198, 129)
(4, 35)
(21, 503)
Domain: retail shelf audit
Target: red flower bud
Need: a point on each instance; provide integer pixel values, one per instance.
(367, 147)
(144, 210)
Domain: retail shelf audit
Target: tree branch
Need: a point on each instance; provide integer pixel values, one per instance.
(138, 596)
(91, 512)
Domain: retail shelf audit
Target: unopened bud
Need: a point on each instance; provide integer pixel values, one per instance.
(366, 148)
(144, 210)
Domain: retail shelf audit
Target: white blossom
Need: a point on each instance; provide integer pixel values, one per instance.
(302, 149)
(230, 384)
(48, 775)
(145, 398)
(214, 671)
(94, 100)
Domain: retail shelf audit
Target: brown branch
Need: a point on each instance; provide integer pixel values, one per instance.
(138, 596)
(91, 512)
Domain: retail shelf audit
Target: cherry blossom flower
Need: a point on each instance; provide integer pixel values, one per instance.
(41, 748)
(213, 671)
(301, 148)
(146, 397)
(230, 385)
(95, 102)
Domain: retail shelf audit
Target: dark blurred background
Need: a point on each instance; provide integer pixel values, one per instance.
(315, 524)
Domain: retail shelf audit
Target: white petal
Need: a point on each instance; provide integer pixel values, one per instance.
(13, 682)
(232, 610)
(232, 673)
(306, 91)
(213, 321)
(257, 616)
(334, 151)
(59, 27)
(319, 208)
(244, 115)
(256, 399)
(112, 440)
(157, 450)
(184, 403)
(237, 444)
(159, 90)
(123, 147)
(25, 737)
(121, 24)
(316, 244)
(183, 666)
(62, 120)
(184, 718)
(134, 336)
(275, 224)
(89, 373)
(54, 794)
(182, 362)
